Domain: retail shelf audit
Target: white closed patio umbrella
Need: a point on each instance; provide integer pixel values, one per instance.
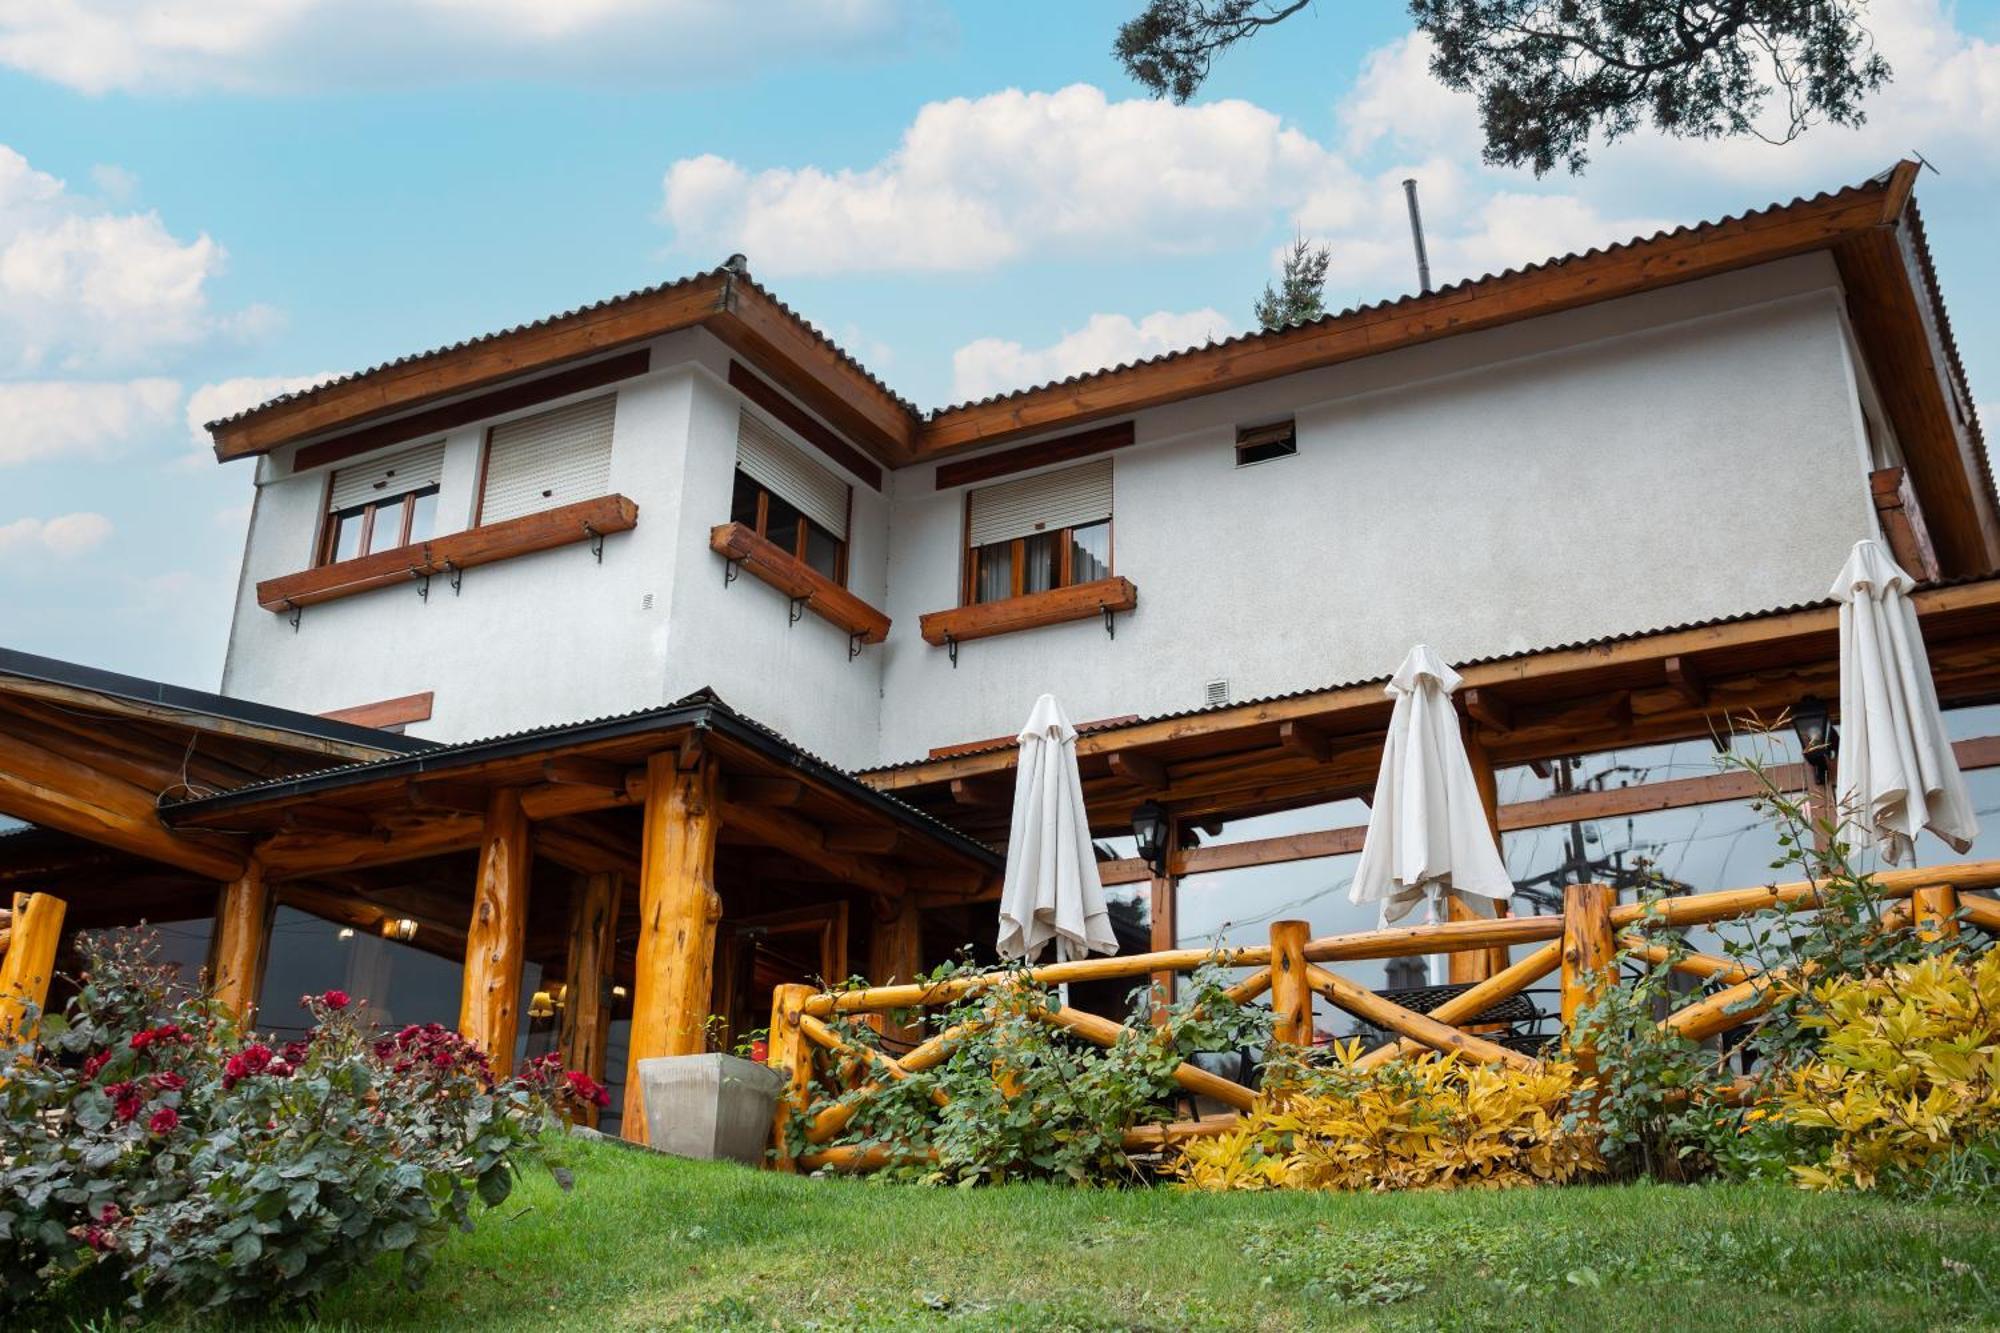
(1897, 771)
(1052, 891)
(1427, 831)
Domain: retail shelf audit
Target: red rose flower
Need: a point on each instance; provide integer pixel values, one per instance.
(587, 1089)
(168, 1082)
(336, 1000)
(141, 1040)
(164, 1120)
(125, 1100)
(94, 1063)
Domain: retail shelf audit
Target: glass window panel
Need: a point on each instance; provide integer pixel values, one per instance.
(743, 503)
(1349, 813)
(822, 550)
(423, 515)
(1633, 765)
(347, 527)
(995, 577)
(400, 983)
(387, 533)
(1090, 553)
(781, 523)
(184, 947)
(1964, 724)
(1040, 569)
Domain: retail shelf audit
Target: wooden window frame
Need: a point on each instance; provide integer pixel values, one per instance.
(968, 593)
(332, 520)
(796, 547)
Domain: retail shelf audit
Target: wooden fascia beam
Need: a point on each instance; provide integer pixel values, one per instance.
(56, 790)
(328, 819)
(869, 839)
(578, 771)
(1686, 680)
(396, 838)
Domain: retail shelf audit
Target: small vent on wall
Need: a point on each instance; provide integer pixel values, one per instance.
(1215, 693)
(1261, 444)
(646, 602)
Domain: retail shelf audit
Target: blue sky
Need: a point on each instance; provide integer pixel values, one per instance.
(969, 197)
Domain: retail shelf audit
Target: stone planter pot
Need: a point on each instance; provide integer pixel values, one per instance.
(709, 1106)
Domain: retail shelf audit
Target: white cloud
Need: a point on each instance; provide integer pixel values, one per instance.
(83, 288)
(64, 535)
(976, 182)
(99, 46)
(212, 402)
(993, 365)
(69, 419)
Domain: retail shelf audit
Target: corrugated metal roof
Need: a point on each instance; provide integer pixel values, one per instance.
(445, 756)
(1601, 641)
(607, 303)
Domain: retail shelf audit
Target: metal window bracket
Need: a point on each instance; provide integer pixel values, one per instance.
(798, 609)
(297, 612)
(596, 541)
(1110, 628)
(730, 569)
(854, 645)
(424, 584)
(951, 650)
(457, 575)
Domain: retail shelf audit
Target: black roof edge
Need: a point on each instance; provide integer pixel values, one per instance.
(701, 713)
(137, 689)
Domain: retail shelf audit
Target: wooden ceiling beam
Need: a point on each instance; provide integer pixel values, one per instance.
(1686, 680)
(795, 837)
(874, 840)
(580, 771)
(328, 819)
(396, 838)
(1138, 770)
(763, 791)
(1303, 738)
(1486, 708)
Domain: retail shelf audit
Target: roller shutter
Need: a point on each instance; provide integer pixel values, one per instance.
(1070, 498)
(387, 477)
(774, 463)
(549, 459)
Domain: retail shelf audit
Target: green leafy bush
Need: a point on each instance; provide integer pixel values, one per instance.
(1018, 1098)
(156, 1153)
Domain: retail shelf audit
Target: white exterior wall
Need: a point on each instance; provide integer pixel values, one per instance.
(1689, 453)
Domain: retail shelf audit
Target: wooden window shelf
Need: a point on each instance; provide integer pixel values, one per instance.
(1079, 601)
(587, 520)
(740, 545)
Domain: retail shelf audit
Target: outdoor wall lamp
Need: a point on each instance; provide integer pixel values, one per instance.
(543, 1005)
(1149, 830)
(1819, 739)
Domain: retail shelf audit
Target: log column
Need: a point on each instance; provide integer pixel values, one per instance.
(678, 912)
(1165, 907)
(27, 963)
(1474, 965)
(1588, 948)
(489, 1011)
(241, 943)
(593, 926)
(1291, 991)
(896, 953)
(791, 1056)
(1935, 907)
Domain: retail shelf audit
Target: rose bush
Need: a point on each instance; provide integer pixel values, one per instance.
(155, 1152)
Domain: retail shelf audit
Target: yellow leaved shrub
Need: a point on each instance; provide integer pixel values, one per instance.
(1430, 1122)
(1907, 1068)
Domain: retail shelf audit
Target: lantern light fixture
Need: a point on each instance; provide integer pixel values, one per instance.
(1819, 739)
(1149, 831)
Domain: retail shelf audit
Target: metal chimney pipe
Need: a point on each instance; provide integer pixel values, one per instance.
(1417, 236)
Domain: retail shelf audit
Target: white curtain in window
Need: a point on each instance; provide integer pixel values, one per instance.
(772, 461)
(389, 476)
(1069, 498)
(549, 459)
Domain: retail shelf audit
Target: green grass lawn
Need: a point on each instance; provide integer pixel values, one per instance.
(652, 1242)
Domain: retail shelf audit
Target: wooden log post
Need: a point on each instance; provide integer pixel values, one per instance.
(28, 964)
(678, 913)
(896, 954)
(791, 1055)
(1588, 948)
(1164, 900)
(1291, 992)
(241, 943)
(489, 1010)
(1936, 909)
(593, 927)
(1471, 967)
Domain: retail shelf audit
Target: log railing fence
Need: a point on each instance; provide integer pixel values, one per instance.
(28, 936)
(1582, 944)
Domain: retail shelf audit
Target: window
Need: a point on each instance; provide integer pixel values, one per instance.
(548, 460)
(383, 504)
(1261, 444)
(788, 499)
(1039, 533)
